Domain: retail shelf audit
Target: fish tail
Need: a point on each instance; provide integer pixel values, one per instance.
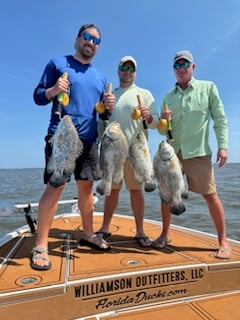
(104, 188)
(177, 209)
(149, 186)
(58, 181)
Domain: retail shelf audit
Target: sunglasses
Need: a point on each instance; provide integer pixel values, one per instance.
(127, 68)
(184, 65)
(88, 37)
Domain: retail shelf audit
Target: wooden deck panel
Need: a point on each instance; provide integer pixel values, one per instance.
(185, 268)
(218, 307)
(14, 273)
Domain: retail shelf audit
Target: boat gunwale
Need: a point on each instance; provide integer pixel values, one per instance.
(25, 228)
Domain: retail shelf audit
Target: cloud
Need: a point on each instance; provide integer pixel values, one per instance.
(221, 42)
(11, 76)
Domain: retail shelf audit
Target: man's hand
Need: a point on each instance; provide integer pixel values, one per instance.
(109, 100)
(222, 156)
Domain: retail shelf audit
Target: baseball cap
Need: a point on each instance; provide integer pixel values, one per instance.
(183, 54)
(128, 58)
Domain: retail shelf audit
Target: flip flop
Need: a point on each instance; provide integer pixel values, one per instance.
(37, 253)
(161, 242)
(223, 253)
(95, 242)
(104, 235)
(144, 241)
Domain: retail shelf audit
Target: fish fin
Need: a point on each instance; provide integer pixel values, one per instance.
(51, 140)
(117, 177)
(97, 174)
(50, 165)
(184, 194)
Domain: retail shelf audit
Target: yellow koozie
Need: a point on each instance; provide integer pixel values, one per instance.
(163, 124)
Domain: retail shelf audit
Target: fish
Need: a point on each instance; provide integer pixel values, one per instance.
(168, 173)
(140, 160)
(113, 154)
(66, 148)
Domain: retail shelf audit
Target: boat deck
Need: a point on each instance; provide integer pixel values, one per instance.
(127, 282)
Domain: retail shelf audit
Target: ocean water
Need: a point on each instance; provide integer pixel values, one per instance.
(20, 186)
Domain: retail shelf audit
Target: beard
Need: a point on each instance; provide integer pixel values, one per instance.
(86, 51)
(127, 80)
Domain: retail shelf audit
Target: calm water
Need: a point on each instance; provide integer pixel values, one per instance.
(26, 186)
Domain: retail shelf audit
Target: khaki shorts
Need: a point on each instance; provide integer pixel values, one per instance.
(128, 176)
(199, 173)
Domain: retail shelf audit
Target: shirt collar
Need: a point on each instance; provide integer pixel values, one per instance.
(192, 83)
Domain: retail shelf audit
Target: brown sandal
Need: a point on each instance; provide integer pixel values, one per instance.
(161, 242)
(144, 241)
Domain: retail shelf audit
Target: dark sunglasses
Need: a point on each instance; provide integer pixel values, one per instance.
(184, 65)
(89, 37)
(127, 68)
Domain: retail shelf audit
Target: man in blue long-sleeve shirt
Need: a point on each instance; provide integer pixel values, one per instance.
(86, 86)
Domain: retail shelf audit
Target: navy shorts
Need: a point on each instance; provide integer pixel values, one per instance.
(87, 164)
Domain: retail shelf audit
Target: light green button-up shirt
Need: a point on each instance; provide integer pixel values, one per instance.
(192, 110)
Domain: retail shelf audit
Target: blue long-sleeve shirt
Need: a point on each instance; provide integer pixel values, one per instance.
(87, 86)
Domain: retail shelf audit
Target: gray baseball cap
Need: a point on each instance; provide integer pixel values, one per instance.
(183, 54)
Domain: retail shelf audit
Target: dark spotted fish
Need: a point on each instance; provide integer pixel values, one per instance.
(113, 154)
(140, 159)
(168, 173)
(67, 146)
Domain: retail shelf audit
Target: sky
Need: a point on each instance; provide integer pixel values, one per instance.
(152, 31)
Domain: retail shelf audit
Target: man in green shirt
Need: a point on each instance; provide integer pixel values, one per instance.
(190, 106)
(126, 101)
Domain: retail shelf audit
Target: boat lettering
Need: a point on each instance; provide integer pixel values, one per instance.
(197, 273)
(140, 297)
(160, 278)
(139, 282)
(103, 287)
